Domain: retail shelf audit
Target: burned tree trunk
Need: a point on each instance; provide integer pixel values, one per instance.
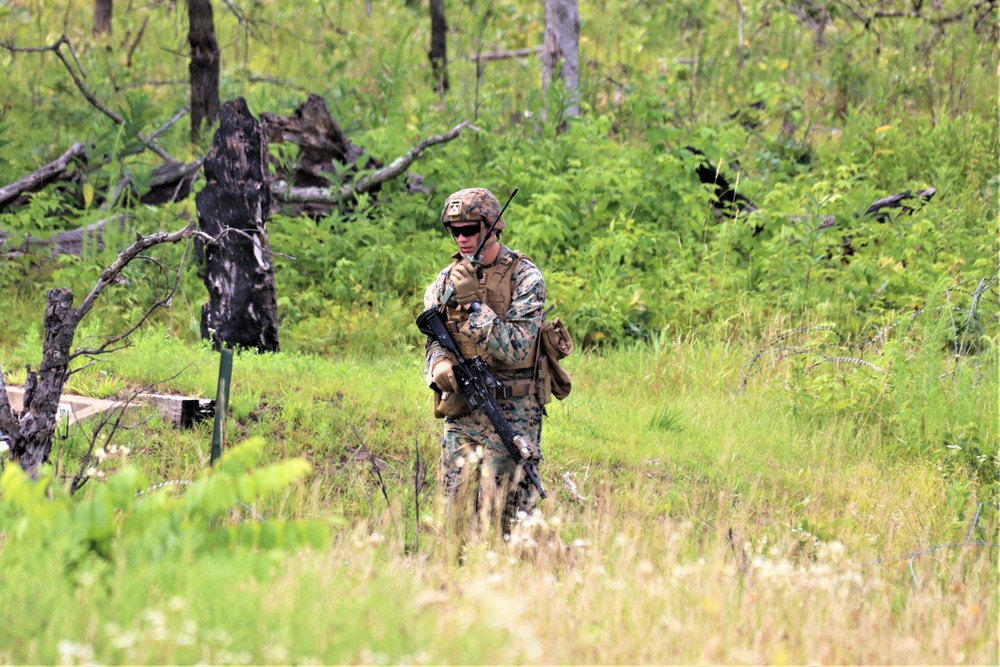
(233, 209)
(31, 439)
(102, 17)
(439, 46)
(204, 66)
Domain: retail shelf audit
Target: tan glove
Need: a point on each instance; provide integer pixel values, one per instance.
(444, 375)
(466, 282)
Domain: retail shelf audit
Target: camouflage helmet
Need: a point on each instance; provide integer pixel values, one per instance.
(472, 205)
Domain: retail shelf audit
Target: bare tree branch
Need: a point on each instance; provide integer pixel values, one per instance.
(866, 15)
(135, 43)
(142, 243)
(170, 123)
(105, 347)
(56, 49)
(504, 54)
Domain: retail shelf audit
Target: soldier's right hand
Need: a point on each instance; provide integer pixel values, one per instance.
(466, 281)
(444, 375)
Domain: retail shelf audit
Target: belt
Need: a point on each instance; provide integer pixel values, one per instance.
(514, 388)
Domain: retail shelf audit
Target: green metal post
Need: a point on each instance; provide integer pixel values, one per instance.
(222, 403)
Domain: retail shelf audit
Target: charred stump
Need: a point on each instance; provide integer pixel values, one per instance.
(725, 199)
(233, 209)
(324, 149)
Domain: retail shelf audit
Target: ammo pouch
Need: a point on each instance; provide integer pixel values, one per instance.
(555, 344)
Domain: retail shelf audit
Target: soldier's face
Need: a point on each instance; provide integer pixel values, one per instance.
(466, 236)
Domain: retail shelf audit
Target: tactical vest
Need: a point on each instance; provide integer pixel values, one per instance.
(494, 291)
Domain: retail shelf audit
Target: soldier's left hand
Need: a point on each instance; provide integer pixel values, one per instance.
(466, 282)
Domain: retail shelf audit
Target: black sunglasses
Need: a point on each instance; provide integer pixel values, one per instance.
(467, 231)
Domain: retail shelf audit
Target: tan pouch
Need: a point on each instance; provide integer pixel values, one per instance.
(449, 404)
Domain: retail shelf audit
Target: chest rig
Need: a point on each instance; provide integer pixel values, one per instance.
(495, 291)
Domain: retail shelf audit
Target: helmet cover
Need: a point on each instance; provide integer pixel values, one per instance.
(472, 205)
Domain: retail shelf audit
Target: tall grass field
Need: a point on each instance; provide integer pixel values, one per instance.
(782, 445)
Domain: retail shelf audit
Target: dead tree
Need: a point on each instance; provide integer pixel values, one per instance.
(204, 66)
(439, 46)
(561, 54)
(102, 17)
(233, 209)
(30, 436)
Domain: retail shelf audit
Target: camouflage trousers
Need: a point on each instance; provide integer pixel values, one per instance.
(483, 486)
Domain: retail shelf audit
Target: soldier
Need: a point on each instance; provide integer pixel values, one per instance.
(498, 317)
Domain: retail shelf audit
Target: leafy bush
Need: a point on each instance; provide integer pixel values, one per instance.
(118, 520)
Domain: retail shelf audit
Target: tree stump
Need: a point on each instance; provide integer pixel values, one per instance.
(233, 209)
(31, 439)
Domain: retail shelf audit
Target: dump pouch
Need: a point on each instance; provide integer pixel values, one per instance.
(556, 344)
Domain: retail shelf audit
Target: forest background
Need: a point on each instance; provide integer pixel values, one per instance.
(782, 442)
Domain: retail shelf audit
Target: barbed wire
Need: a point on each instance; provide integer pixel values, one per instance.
(187, 482)
(950, 545)
(179, 482)
(968, 325)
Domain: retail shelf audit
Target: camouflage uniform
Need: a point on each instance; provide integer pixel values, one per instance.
(481, 482)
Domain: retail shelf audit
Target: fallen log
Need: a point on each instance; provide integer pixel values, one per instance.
(70, 242)
(880, 208)
(35, 181)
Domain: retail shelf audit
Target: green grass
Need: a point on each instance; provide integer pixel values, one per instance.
(670, 460)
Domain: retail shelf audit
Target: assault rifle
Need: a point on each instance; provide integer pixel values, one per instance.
(476, 385)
